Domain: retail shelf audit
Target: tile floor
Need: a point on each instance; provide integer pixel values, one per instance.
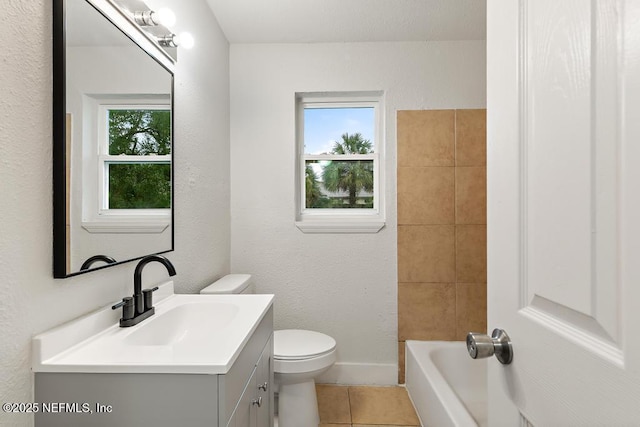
(365, 406)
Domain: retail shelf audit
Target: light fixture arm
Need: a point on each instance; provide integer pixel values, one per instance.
(145, 18)
(151, 18)
(169, 40)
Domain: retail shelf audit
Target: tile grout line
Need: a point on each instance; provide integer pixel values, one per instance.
(349, 401)
(455, 222)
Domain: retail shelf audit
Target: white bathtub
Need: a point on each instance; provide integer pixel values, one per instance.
(447, 387)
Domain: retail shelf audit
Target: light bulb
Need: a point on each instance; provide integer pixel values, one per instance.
(186, 40)
(165, 16)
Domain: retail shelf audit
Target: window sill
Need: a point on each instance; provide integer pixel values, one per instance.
(127, 226)
(334, 226)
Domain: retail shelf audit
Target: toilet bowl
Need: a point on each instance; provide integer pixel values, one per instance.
(299, 356)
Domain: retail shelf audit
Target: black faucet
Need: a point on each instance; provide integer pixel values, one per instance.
(137, 280)
(140, 307)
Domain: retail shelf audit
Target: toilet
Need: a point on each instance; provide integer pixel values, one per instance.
(299, 356)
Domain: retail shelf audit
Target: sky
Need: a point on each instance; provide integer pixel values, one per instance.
(324, 126)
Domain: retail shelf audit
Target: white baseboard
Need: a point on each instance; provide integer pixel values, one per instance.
(360, 374)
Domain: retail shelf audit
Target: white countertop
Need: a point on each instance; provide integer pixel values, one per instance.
(195, 334)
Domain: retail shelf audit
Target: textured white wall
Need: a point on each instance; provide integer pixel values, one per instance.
(31, 301)
(342, 285)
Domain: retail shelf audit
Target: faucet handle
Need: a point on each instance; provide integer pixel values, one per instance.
(127, 307)
(148, 298)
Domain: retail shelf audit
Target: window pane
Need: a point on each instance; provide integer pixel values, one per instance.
(339, 184)
(139, 132)
(339, 130)
(139, 186)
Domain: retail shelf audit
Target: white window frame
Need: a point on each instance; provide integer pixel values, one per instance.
(339, 220)
(97, 217)
(105, 159)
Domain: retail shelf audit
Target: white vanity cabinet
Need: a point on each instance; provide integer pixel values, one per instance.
(157, 399)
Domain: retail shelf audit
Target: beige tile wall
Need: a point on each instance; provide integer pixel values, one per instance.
(442, 217)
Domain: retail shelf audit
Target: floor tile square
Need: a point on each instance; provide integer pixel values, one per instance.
(373, 425)
(333, 404)
(381, 405)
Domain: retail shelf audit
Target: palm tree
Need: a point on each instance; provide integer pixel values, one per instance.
(312, 188)
(351, 176)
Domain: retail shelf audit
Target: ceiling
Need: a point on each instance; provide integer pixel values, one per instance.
(325, 21)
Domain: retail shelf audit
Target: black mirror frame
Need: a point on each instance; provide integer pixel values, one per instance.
(59, 148)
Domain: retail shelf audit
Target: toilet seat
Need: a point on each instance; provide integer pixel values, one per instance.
(298, 344)
(299, 351)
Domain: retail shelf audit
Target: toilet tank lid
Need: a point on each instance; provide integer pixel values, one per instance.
(229, 284)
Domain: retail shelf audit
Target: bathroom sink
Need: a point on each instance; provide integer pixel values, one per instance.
(188, 322)
(187, 334)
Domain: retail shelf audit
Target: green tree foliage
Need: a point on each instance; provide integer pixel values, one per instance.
(139, 133)
(140, 186)
(351, 176)
(312, 188)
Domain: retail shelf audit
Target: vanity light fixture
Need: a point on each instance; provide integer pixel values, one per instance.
(171, 40)
(158, 24)
(150, 18)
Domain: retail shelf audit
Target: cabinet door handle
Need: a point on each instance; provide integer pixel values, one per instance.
(263, 386)
(257, 402)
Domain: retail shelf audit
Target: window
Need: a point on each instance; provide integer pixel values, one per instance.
(339, 146)
(127, 185)
(135, 158)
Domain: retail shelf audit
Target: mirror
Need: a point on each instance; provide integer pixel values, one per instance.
(113, 143)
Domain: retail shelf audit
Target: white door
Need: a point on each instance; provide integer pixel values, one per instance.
(563, 125)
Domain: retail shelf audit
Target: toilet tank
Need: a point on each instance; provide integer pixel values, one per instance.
(231, 284)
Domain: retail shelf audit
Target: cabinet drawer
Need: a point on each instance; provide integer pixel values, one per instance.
(233, 383)
(241, 416)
